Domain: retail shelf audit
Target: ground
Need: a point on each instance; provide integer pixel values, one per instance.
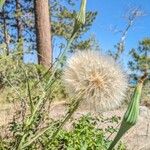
(138, 137)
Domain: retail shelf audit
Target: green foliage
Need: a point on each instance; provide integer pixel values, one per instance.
(139, 65)
(14, 75)
(63, 25)
(85, 134)
(140, 62)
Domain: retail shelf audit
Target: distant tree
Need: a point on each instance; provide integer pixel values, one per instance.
(20, 27)
(140, 65)
(13, 28)
(140, 62)
(62, 24)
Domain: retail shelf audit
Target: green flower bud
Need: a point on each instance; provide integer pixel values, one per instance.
(131, 115)
(80, 18)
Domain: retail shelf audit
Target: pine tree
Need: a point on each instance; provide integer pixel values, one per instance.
(19, 18)
(62, 24)
(140, 62)
(139, 65)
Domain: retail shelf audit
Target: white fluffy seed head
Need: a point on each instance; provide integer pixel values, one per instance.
(101, 81)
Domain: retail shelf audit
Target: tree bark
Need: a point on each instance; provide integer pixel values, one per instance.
(43, 32)
(6, 35)
(19, 29)
(18, 22)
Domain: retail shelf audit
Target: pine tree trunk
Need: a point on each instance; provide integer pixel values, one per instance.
(6, 35)
(18, 23)
(19, 29)
(43, 32)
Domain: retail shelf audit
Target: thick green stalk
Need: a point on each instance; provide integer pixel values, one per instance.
(131, 115)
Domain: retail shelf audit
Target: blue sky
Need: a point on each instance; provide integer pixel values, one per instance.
(110, 14)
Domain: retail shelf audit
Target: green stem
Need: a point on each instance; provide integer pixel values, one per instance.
(67, 117)
(29, 122)
(49, 82)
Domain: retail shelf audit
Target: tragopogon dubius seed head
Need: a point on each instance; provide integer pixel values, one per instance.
(98, 77)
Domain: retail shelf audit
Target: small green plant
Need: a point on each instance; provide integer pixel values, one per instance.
(84, 134)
